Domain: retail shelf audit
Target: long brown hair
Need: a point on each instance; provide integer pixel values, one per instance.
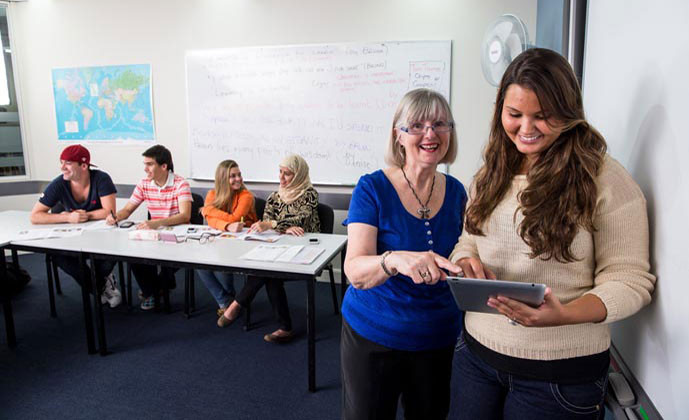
(561, 194)
(224, 194)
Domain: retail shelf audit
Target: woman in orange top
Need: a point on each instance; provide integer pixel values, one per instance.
(229, 207)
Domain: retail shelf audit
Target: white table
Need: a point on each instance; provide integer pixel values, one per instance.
(14, 221)
(221, 254)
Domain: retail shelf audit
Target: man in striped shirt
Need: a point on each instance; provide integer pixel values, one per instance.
(168, 198)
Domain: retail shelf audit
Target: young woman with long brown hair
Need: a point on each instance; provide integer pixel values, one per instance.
(548, 206)
(229, 206)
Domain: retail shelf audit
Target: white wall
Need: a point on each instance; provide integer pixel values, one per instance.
(635, 93)
(63, 33)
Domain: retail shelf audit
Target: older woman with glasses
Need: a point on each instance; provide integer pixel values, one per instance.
(400, 321)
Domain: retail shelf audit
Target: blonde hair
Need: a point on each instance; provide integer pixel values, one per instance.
(224, 194)
(419, 105)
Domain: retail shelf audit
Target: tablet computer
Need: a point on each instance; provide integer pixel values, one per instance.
(472, 294)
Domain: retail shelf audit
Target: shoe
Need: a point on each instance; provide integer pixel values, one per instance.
(224, 321)
(220, 311)
(141, 294)
(148, 303)
(280, 339)
(111, 294)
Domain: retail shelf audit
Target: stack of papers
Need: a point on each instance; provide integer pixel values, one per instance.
(294, 254)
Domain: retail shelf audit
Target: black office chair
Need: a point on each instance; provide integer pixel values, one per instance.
(54, 278)
(260, 206)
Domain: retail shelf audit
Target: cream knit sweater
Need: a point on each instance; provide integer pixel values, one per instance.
(613, 265)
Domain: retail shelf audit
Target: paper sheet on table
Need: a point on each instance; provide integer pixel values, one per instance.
(265, 252)
(307, 255)
(266, 236)
(289, 253)
(58, 232)
(295, 254)
(99, 225)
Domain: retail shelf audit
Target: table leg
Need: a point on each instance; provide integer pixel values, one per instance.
(98, 309)
(311, 331)
(90, 342)
(7, 306)
(51, 288)
(187, 280)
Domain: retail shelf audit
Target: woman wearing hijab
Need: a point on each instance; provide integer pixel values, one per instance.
(293, 210)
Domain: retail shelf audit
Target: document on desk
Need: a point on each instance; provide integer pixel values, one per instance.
(58, 232)
(295, 254)
(99, 225)
(266, 236)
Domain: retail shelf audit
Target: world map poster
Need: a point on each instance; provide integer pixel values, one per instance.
(104, 103)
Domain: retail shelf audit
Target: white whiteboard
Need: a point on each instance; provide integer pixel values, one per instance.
(331, 103)
(635, 93)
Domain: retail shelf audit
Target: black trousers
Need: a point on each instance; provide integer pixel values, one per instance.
(276, 296)
(374, 378)
(70, 265)
(150, 281)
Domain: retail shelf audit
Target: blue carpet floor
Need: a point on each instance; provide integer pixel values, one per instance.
(164, 366)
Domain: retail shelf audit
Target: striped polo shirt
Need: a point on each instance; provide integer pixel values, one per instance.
(162, 201)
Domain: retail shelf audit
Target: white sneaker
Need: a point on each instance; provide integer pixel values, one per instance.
(111, 294)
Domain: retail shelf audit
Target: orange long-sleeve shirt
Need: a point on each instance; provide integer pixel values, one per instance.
(243, 205)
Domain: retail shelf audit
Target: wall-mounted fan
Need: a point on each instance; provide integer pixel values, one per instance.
(505, 39)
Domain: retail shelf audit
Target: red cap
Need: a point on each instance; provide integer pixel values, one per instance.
(76, 153)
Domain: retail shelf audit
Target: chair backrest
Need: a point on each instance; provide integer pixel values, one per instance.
(327, 216)
(260, 205)
(196, 216)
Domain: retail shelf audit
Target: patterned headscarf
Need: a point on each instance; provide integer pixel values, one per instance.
(300, 182)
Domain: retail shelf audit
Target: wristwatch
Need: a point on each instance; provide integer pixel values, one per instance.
(273, 224)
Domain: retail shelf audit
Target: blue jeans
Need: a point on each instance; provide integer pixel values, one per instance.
(486, 393)
(220, 284)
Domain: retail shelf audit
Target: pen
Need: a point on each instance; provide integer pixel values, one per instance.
(112, 213)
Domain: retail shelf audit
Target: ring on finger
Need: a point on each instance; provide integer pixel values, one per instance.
(424, 275)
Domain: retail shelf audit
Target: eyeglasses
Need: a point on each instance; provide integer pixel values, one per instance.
(418, 128)
(204, 238)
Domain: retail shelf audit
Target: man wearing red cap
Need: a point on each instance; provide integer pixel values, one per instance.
(82, 194)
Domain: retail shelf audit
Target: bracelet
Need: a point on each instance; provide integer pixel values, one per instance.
(385, 268)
